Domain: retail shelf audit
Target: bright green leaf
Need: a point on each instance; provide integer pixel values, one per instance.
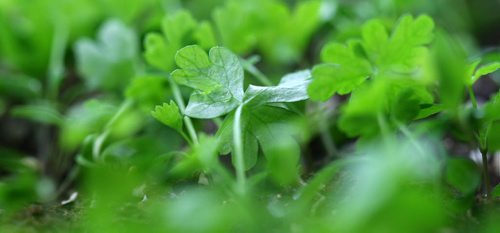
(485, 70)
(292, 88)
(399, 51)
(342, 72)
(263, 124)
(169, 115)
(157, 91)
(178, 29)
(217, 80)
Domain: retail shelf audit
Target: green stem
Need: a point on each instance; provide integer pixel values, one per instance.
(191, 130)
(384, 129)
(472, 97)
(484, 151)
(248, 66)
(263, 79)
(326, 138)
(182, 107)
(238, 151)
(124, 107)
(186, 137)
(99, 141)
(486, 177)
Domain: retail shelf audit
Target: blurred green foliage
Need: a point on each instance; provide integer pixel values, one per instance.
(194, 116)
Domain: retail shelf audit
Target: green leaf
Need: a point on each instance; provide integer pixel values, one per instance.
(178, 30)
(279, 33)
(177, 27)
(492, 109)
(20, 86)
(463, 174)
(471, 68)
(110, 62)
(202, 157)
(205, 35)
(157, 53)
(169, 115)
(250, 144)
(485, 70)
(342, 72)
(493, 137)
(43, 113)
(490, 124)
(450, 61)
(236, 29)
(292, 88)
(345, 68)
(404, 46)
(428, 110)
(375, 37)
(360, 115)
(282, 157)
(496, 191)
(217, 80)
(392, 100)
(84, 119)
(266, 126)
(157, 91)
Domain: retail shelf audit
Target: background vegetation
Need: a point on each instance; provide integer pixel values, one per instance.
(249, 116)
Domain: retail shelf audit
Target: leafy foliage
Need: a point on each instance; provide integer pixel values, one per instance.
(397, 54)
(110, 62)
(161, 49)
(168, 114)
(226, 116)
(217, 79)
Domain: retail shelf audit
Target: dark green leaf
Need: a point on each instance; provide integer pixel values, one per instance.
(463, 175)
(42, 113)
(263, 124)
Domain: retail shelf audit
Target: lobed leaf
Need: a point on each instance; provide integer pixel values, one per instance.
(109, 62)
(292, 88)
(169, 115)
(261, 126)
(217, 80)
(342, 72)
(178, 29)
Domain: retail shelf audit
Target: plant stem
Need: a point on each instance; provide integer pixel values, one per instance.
(186, 137)
(238, 151)
(191, 130)
(472, 97)
(248, 66)
(124, 107)
(484, 151)
(182, 108)
(486, 177)
(326, 138)
(383, 129)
